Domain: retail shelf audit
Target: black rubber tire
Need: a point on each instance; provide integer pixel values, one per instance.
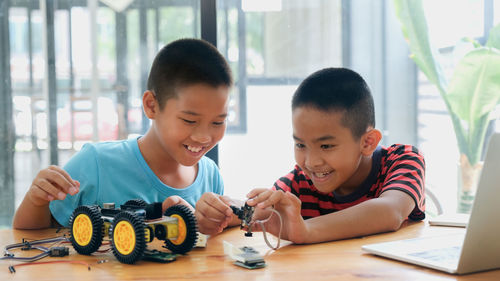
(93, 213)
(136, 202)
(191, 229)
(139, 244)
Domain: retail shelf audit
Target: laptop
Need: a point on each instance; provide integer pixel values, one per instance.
(477, 249)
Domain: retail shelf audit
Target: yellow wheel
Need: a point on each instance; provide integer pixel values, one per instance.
(187, 229)
(86, 229)
(82, 229)
(124, 237)
(127, 237)
(182, 231)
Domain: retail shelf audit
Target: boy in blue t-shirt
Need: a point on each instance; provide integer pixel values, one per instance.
(186, 99)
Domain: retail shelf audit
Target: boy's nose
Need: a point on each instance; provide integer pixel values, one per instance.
(201, 137)
(313, 160)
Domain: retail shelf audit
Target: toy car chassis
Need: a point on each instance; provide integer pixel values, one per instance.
(130, 227)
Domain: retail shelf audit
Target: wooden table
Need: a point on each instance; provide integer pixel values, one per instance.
(340, 260)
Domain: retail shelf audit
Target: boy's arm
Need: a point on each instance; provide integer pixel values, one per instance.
(382, 214)
(52, 183)
(402, 193)
(30, 216)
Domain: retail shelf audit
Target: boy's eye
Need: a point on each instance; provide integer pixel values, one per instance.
(327, 146)
(299, 145)
(220, 123)
(188, 121)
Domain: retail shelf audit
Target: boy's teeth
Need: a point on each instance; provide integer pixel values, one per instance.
(194, 149)
(320, 175)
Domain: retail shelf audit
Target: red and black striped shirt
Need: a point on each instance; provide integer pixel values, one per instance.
(398, 167)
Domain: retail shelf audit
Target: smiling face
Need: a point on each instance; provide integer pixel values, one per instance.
(327, 151)
(192, 123)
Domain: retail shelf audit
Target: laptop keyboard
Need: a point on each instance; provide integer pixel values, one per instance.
(450, 254)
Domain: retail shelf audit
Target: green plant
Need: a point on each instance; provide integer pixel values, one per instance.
(473, 91)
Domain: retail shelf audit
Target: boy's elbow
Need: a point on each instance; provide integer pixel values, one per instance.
(17, 223)
(395, 224)
(394, 220)
(395, 208)
(29, 224)
(21, 226)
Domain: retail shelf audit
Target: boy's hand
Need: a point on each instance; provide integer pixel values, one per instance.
(263, 197)
(213, 213)
(52, 183)
(288, 205)
(175, 200)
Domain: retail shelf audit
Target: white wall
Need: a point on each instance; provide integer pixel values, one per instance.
(265, 153)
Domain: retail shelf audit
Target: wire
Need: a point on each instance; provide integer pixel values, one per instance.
(261, 223)
(28, 259)
(13, 270)
(105, 250)
(28, 245)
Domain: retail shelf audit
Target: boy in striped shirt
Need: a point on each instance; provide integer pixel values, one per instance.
(344, 184)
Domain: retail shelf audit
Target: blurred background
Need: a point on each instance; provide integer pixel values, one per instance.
(74, 71)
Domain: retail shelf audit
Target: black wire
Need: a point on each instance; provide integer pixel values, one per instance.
(28, 259)
(28, 245)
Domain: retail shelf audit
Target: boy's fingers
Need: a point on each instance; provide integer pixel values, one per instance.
(265, 198)
(53, 174)
(64, 174)
(218, 203)
(226, 222)
(50, 189)
(169, 202)
(39, 197)
(292, 197)
(261, 214)
(255, 192)
(272, 199)
(226, 200)
(57, 179)
(209, 212)
(175, 200)
(294, 200)
(213, 213)
(207, 226)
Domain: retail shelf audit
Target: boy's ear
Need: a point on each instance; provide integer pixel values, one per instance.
(149, 104)
(370, 141)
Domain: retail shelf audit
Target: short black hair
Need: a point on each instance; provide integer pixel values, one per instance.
(341, 90)
(185, 62)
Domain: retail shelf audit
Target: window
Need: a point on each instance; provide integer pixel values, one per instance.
(102, 51)
(99, 79)
(467, 19)
(271, 48)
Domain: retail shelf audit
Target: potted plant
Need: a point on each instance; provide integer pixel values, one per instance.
(470, 95)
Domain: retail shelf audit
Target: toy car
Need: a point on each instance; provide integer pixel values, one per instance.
(130, 227)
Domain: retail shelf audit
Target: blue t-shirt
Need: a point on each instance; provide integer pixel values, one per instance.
(117, 172)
